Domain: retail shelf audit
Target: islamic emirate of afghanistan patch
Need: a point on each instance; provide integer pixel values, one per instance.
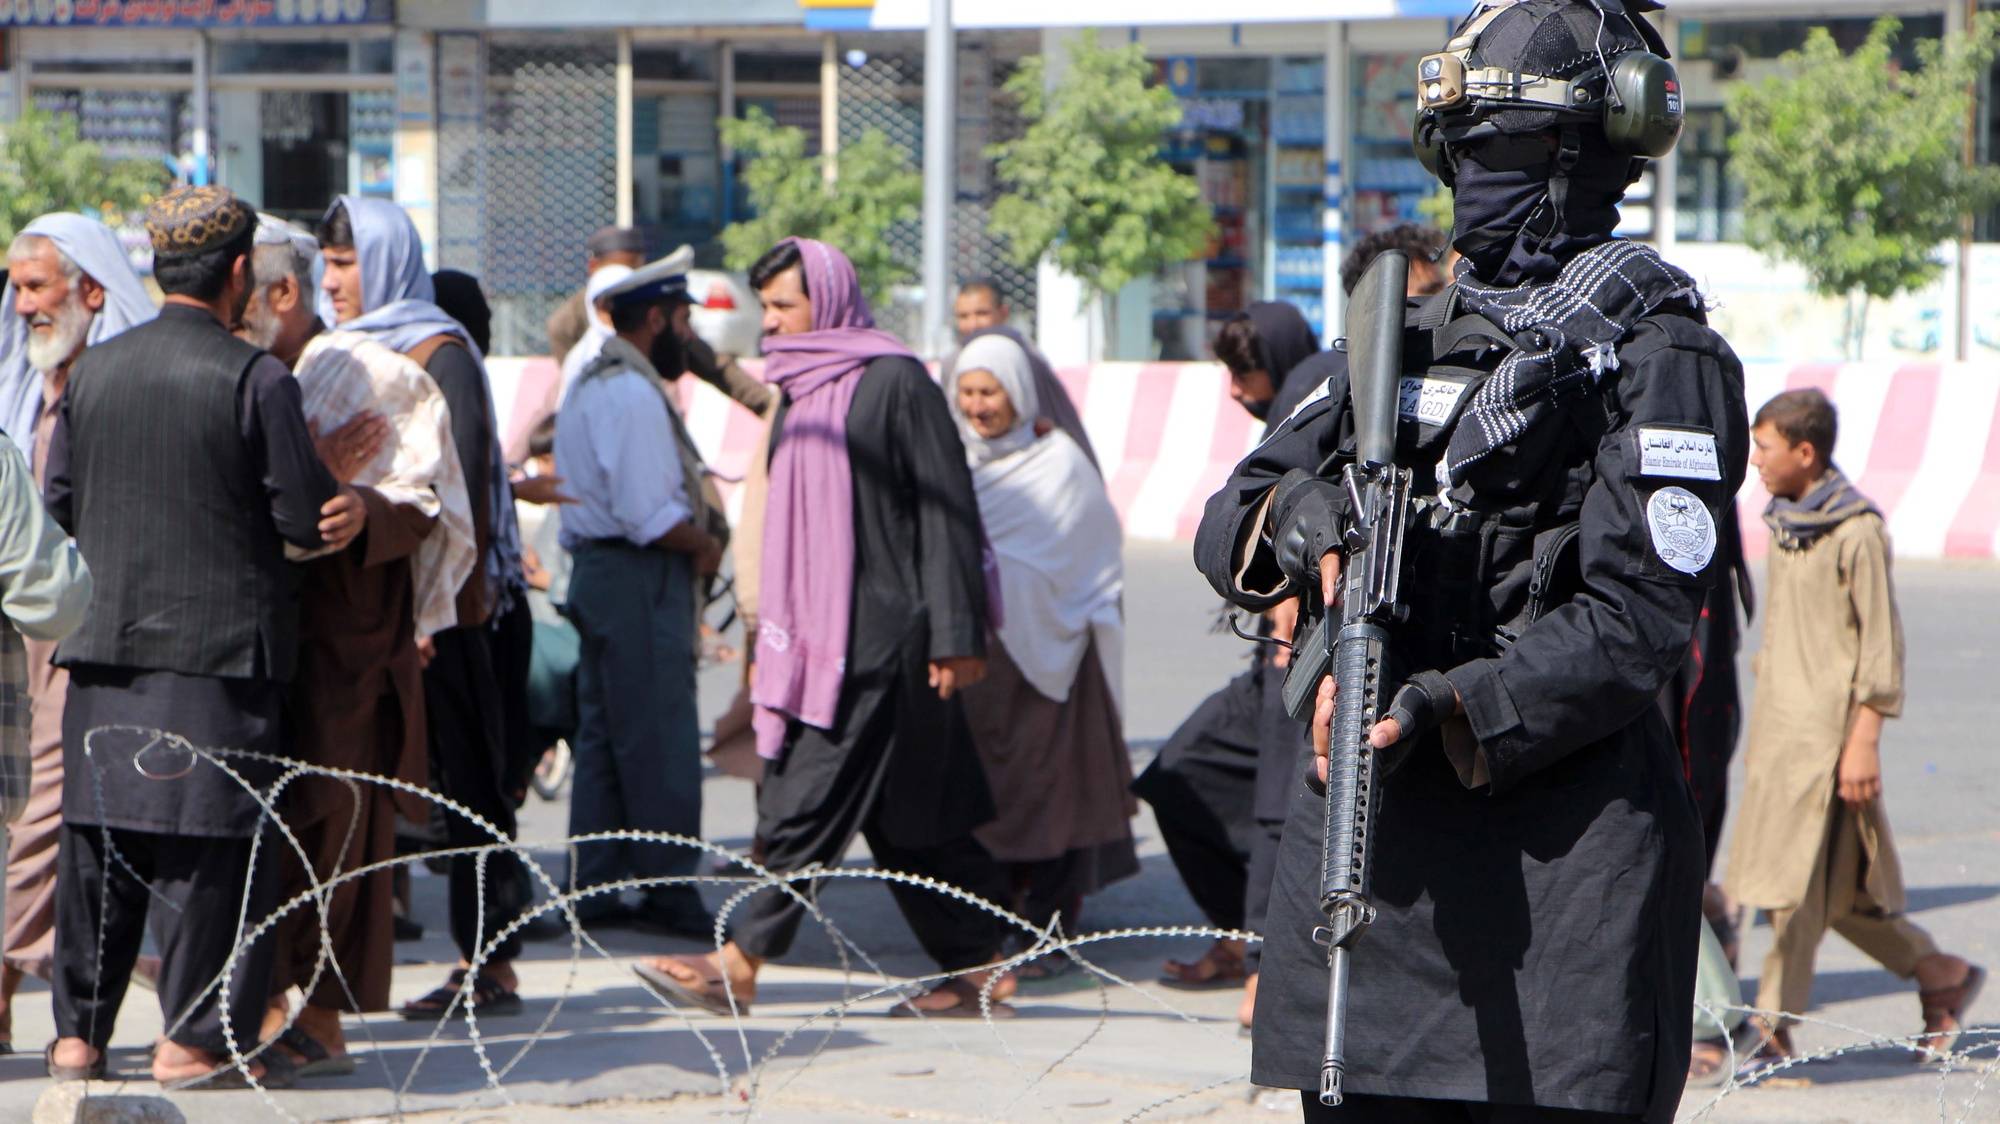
(1683, 530)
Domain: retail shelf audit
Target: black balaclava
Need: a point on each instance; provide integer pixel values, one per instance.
(1284, 342)
(1505, 220)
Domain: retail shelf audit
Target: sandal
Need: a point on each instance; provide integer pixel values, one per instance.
(1759, 1063)
(1219, 967)
(966, 1007)
(708, 994)
(1708, 1064)
(315, 1059)
(487, 999)
(1947, 1003)
(1047, 966)
(277, 1075)
(92, 1072)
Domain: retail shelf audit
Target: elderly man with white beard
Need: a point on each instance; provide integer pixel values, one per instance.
(69, 285)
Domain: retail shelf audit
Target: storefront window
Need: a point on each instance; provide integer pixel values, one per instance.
(675, 62)
(1386, 181)
(1716, 54)
(285, 56)
(676, 169)
(1223, 142)
(151, 125)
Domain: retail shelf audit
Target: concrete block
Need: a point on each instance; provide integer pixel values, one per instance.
(67, 1102)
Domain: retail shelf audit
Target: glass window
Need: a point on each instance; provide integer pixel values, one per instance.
(150, 125)
(374, 56)
(288, 56)
(1709, 200)
(290, 151)
(676, 169)
(114, 66)
(763, 66)
(678, 62)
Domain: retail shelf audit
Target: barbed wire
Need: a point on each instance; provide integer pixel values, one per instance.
(747, 877)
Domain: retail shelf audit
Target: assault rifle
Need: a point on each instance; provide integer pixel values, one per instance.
(1356, 655)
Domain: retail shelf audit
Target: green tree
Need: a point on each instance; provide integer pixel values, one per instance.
(45, 166)
(1087, 185)
(873, 187)
(1854, 168)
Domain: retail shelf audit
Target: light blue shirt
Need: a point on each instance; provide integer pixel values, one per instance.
(616, 454)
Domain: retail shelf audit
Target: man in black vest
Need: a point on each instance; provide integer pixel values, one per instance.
(183, 465)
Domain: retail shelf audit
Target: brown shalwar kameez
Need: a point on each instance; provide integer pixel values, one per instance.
(359, 705)
(30, 925)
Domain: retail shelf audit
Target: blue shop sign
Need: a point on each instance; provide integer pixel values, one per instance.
(194, 13)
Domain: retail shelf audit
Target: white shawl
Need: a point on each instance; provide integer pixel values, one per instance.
(1053, 531)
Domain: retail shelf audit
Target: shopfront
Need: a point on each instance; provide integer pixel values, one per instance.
(287, 105)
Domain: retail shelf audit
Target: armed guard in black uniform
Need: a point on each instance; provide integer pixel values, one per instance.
(1573, 429)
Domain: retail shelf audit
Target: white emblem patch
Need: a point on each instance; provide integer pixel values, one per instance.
(1683, 530)
(1686, 453)
(1428, 400)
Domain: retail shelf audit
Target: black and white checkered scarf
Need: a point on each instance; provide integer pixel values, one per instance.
(1567, 332)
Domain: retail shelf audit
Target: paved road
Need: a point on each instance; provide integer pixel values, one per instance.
(612, 1053)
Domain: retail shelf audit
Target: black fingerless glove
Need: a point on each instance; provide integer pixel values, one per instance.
(1306, 513)
(1423, 704)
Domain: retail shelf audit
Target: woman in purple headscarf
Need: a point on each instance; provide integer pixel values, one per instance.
(873, 615)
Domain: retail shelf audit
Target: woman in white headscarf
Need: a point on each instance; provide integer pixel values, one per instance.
(1046, 718)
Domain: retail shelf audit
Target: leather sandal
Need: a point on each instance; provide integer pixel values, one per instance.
(1220, 967)
(1947, 1003)
(92, 1072)
(706, 993)
(967, 1006)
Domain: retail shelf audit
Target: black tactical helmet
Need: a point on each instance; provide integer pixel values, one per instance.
(1537, 65)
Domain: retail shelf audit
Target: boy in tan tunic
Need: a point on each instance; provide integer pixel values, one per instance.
(1828, 675)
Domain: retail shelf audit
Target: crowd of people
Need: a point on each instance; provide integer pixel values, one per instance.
(305, 543)
(271, 521)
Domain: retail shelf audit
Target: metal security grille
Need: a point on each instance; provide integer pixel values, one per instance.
(881, 87)
(526, 170)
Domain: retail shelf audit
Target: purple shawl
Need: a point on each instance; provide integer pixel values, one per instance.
(807, 589)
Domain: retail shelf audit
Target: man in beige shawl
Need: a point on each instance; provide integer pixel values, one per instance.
(1828, 675)
(358, 698)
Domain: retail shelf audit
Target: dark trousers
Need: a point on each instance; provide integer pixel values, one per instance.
(1411, 1110)
(1202, 789)
(809, 809)
(512, 636)
(189, 891)
(468, 765)
(638, 740)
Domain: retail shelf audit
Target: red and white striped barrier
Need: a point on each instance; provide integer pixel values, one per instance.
(1921, 439)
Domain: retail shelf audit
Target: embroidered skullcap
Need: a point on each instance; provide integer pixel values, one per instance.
(194, 220)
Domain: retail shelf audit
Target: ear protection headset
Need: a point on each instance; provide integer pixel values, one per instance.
(1636, 100)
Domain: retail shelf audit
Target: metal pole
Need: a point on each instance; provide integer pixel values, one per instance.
(829, 108)
(939, 89)
(198, 174)
(1962, 345)
(623, 162)
(725, 93)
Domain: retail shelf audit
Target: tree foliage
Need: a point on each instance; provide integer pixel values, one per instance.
(1853, 167)
(874, 187)
(45, 166)
(1088, 186)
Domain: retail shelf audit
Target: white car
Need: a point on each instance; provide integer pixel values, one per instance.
(727, 314)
